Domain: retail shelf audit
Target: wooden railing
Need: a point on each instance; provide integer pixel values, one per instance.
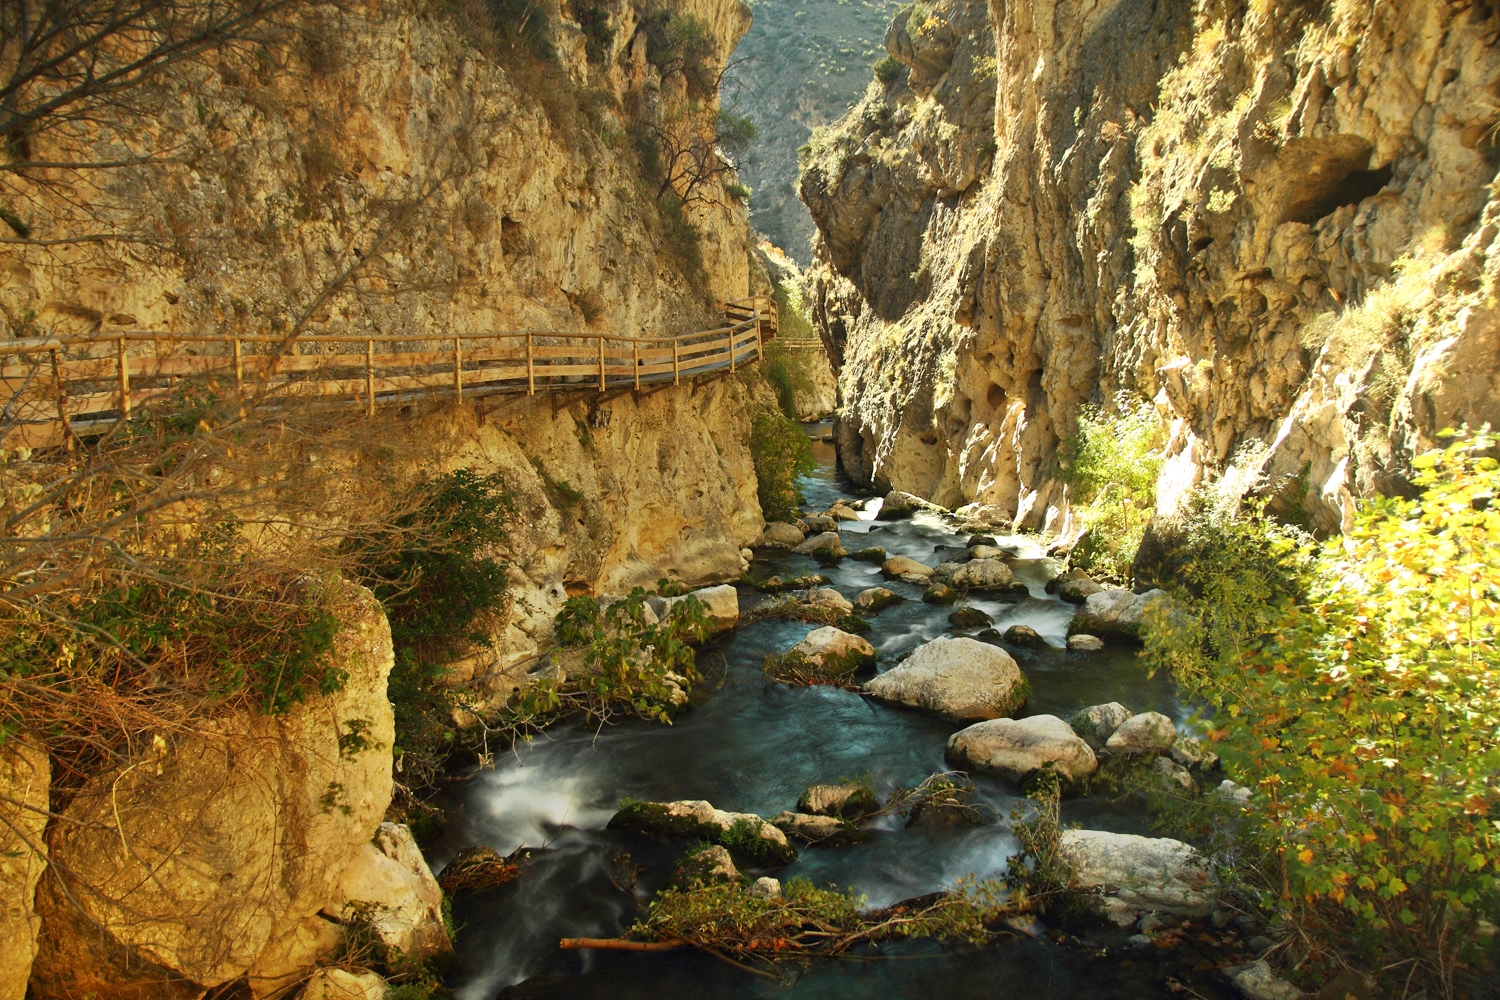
(102, 377)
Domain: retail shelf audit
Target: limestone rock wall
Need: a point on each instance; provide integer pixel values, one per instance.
(1272, 218)
(25, 777)
(203, 860)
(391, 169)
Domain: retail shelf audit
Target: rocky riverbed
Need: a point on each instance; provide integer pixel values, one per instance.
(749, 747)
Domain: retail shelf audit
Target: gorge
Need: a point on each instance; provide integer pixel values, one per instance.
(1091, 584)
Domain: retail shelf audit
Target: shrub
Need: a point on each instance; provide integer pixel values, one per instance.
(1355, 689)
(432, 570)
(1111, 469)
(644, 668)
(887, 70)
(782, 453)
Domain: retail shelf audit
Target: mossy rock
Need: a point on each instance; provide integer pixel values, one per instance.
(939, 593)
(969, 618)
(873, 554)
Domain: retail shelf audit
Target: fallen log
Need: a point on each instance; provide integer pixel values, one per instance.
(618, 944)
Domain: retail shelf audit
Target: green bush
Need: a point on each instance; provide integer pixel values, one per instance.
(782, 453)
(887, 70)
(1355, 689)
(632, 664)
(1111, 467)
(433, 572)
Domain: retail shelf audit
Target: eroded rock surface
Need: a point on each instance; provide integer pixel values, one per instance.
(960, 679)
(275, 807)
(1016, 749)
(1141, 874)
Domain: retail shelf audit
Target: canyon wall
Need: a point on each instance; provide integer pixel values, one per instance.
(380, 169)
(1273, 220)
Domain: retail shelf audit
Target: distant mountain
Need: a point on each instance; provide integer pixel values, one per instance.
(803, 64)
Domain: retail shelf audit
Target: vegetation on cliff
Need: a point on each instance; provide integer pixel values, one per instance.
(1354, 688)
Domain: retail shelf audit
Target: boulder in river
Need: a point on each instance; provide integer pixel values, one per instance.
(846, 801)
(898, 505)
(871, 554)
(986, 552)
(1139, 874)
(939, 593)
(960, 679)
(1016, 749)
(969, 618)
(721, 603)
(906, 570)
(839, 512)
(1149, 732)
(1097, 723)
(1190, 752)
(712, 864)
(1257, 981)
(984, 574)
(824, 654)
(1084, 643)
(822, 522)
(780, 535)
(746, 835)
(1114, 613)
(391, 888)
(828, 830)
(1025, 635)
(875, 599)
(822, 546)
(1075, 589)
(827, 597)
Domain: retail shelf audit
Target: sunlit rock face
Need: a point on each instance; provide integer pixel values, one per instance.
(1274, 223)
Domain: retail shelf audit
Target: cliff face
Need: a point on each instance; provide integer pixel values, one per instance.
(392, 171)
(389, 170)
(1273, 221)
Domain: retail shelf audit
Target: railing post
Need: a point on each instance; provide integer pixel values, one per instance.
(731, 348)
(530, 368)
(635, 358)
(676, 370)
(239, 365)
(370, 377)
(458, 368)
(62, 401)
(601, 362)
(124, 363)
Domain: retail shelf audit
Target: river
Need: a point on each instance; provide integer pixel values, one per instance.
(746, 744)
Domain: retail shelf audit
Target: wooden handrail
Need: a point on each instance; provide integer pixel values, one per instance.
(87, 385)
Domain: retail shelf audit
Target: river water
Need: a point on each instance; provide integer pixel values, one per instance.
(749, 745)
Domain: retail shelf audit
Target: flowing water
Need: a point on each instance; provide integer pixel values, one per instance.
(752, 746)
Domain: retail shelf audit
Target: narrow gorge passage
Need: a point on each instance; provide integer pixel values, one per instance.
(750, 744)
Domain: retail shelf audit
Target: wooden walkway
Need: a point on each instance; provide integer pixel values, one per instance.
(98, 379)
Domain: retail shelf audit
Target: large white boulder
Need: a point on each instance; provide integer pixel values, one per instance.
(827, 597)
(984, 574)
(1115, 613)
(959, 679)
(1149, 732)
(1097, 723)
(906, 569)
(1140, 874)
(779, 535)
(1016, 749)
(391, 888)
(833, 651)
(25, 779)
(825, 545)
(721, 603)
